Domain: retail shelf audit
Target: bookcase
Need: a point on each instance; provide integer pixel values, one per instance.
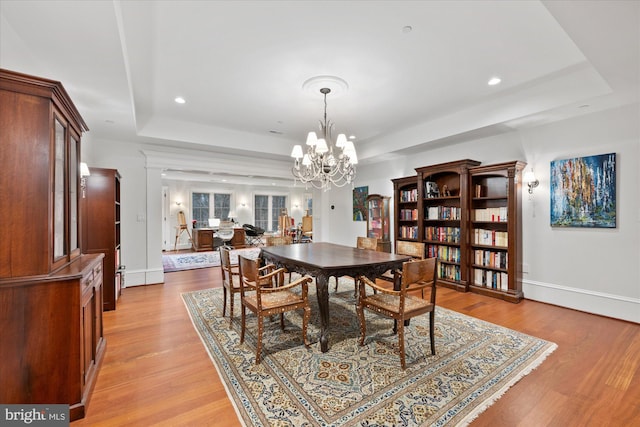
(444, 218)
(405, 213)
(101, 228)
(495, 230)
(378, 221)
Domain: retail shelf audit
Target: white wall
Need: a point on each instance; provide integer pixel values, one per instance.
(593, 270)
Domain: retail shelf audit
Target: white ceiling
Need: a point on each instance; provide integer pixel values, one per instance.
(241, 65)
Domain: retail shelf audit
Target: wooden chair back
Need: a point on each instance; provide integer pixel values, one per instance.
(413, 249)
(230, 286)
(367, 243)
(279, 240)
(419, 274)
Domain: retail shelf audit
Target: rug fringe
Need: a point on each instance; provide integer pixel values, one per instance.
(475, 413)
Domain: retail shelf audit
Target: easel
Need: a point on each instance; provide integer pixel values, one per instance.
(182, 226)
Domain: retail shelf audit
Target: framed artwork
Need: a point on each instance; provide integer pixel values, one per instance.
(360, 203)
(583, 192)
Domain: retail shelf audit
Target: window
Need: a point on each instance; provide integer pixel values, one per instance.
(202, 209)
(267, 210)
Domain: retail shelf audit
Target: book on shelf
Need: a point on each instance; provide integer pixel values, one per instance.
(442, 234)
(491, 279)
(495, 259)
(409, 214)
(408, 232)
(490, 237)
(444, 212)
(449, 272)
(409, 195)
(491, 214)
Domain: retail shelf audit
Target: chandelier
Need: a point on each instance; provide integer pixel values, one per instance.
(325, 163)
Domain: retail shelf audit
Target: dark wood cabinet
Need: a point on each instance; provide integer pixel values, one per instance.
(100, 206)
(378, 221)
(51, 339)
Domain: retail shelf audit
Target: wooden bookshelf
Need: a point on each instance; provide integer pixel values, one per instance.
(495, 229)
(406, 194)
(444, 219)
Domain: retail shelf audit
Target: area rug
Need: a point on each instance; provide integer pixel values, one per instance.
(193, 260)
(475, 363)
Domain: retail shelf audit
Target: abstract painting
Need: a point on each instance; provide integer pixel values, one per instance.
(583, 192)
(360, 203)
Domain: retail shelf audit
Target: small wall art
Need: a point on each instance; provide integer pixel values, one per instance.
(583, 192)
(360, 203)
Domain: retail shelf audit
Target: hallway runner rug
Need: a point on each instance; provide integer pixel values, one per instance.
(475, 363)
(193, 260)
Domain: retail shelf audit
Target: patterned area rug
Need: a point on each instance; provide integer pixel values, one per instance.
(475, 363)
(193, 260)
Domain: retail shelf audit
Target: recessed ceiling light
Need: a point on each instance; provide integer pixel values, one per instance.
(494, 81)
(407, 29)
(179, 100)
(352, 137)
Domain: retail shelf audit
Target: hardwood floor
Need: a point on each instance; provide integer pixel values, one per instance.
(157, 372)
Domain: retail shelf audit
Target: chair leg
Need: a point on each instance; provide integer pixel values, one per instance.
(242, 323)
(230, 307)
(363, 326)
(259, 339)
(224, 300)
(401, 343)
(305, 321)
(432, 317)
(282, 321)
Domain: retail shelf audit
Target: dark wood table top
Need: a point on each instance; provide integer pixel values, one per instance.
(332, 259)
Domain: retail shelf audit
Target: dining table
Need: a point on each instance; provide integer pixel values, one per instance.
(323, 260)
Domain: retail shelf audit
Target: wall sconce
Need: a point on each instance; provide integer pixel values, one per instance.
(530, 179)
(84, 173)
(178, 203)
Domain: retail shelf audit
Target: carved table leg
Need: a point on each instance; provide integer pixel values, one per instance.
(322, 289)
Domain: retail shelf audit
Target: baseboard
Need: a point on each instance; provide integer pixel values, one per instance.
(603, 304)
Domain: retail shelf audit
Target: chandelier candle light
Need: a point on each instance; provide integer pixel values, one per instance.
(324, 164)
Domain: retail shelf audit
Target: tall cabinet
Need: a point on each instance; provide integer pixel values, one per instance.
(444, 217)
(496, 229)
(378, 221)
(100, 203)
(51, 339)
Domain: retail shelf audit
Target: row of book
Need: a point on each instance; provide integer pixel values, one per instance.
(449, 272)
(443, 212)
(490, 258)
(491, 279)
(444, 253)
(409, 214)
(490, 237)
(442, 234)
(408, 232)
(409, 195)
(491, 214)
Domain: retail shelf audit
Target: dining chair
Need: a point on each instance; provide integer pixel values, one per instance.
(279, 241)
(416, 250)
(397, 303)
(263, 292)
(230, 280)
(370, 243)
